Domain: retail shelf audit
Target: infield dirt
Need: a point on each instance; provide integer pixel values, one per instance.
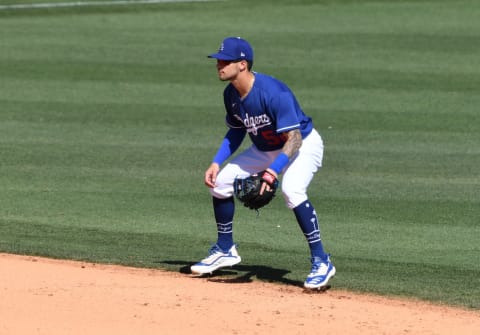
(50, 297)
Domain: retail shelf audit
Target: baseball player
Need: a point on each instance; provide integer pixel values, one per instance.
(284, 141)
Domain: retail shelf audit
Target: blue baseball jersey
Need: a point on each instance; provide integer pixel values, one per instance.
(268, 111)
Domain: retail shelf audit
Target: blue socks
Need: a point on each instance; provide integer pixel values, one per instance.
(224, 210)
(308, 222)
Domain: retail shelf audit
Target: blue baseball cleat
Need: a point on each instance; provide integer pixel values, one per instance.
(320, 274)
(216, 259)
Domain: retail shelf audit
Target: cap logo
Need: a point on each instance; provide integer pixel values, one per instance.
(242, 54)
(222, 47)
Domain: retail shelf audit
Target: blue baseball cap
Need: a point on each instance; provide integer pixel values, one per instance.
(234, 48)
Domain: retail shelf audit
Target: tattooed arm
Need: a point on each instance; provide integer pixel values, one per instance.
(293, 143)
(290, 149)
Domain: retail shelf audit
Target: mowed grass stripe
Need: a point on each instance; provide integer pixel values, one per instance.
(340, 78)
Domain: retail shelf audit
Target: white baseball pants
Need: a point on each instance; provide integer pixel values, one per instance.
(297, 175)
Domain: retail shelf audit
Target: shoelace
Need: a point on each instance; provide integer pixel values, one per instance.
(214, 250)
(317, 265)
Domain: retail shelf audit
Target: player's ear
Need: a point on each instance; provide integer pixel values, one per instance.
(243, 65)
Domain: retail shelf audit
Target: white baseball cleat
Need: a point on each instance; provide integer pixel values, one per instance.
(217, 259)
(320, 274)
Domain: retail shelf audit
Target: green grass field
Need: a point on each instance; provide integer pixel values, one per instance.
(109, 116)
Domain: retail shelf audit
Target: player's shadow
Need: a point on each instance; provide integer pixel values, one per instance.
(240, 273)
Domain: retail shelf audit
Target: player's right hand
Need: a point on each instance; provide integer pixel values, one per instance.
(271, 176)
(211, 175)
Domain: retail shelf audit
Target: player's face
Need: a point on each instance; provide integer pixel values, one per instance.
(228, 70)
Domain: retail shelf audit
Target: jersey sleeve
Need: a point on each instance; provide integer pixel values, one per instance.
(284, 107)
(233, 122)
(230, 105)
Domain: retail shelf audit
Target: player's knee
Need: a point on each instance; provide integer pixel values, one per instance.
(293, 195)
(221, 191)
(293, 200)
(223, 188)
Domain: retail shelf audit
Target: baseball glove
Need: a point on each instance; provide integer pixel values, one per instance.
(247, 190)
